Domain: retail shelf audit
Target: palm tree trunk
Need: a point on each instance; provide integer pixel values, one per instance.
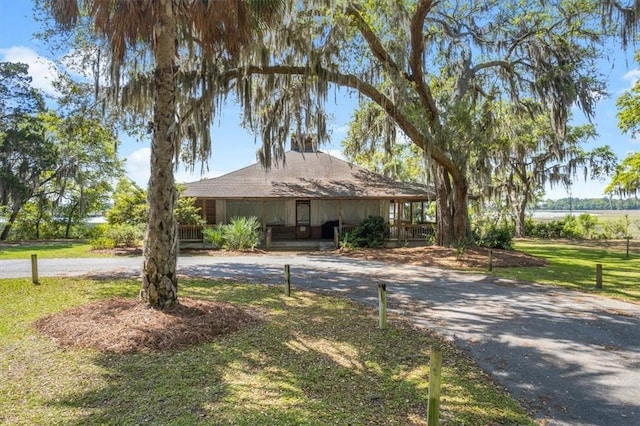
(159, 279)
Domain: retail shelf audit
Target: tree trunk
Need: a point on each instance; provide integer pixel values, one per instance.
(9, 224)
(452, 204)
(67, 228)
(461, 228)
(521, 216)
(159, 279)
(445, 210)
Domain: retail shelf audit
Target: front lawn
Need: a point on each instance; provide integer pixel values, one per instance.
(313, 360)
(48, 250)
(572, 264)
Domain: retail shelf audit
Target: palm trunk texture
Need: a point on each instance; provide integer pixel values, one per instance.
(159, 279)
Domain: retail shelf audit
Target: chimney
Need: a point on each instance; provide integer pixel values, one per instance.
(303, 143)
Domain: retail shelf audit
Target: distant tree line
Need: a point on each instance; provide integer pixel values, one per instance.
(603, 203)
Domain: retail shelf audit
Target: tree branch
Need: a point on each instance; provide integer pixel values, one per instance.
(373, 41)
(415, 61)
(364, 88)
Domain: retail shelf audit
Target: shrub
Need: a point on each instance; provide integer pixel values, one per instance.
(587, 224)
(214, 236)
(348, 242)
(494, 236)
(125, 235)
(564, 228)
(102, 243)
(242, 233)
(618, 228)
(371, 232)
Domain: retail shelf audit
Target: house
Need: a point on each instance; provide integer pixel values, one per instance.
(308, 194)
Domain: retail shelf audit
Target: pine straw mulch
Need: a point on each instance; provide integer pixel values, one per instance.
(123, 326)
(444, 257)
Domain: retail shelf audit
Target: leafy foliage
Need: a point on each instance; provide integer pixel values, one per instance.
(626, 179)
(129, 204)
(65, 164)
(125, 235)
(102, 243)
(241, 233)
(371, 232)
(494, 236)
(214, 236)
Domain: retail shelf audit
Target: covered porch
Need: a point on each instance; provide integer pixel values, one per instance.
(309, 223)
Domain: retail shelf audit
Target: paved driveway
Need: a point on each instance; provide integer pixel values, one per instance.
(574, 359)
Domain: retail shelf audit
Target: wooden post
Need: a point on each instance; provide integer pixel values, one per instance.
(598, 275)
(34, 269)
(268, 238)
(490, 260)
(435, 370)
(382, 305)
(287, 280)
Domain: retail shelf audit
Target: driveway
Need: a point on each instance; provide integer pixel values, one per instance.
(572, 358)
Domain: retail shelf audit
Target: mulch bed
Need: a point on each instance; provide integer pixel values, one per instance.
(120, 325)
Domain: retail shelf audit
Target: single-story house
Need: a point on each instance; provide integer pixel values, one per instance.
(313, 195)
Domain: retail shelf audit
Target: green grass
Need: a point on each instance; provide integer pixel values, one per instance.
(572, 264)
(315, 360)
(48, 250)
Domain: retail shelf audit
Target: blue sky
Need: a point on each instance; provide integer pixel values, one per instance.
(234, 147)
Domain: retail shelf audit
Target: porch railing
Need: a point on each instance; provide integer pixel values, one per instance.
(402, 232)
(190, 233)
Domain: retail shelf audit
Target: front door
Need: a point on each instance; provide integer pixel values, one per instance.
(303, 219)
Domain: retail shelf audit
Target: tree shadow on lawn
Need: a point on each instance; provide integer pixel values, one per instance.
(314, 360)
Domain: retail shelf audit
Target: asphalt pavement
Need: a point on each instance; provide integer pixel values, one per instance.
(570, 357)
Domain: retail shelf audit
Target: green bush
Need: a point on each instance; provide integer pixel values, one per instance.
(588, 225)
(125, 235)
(495, 236)
(618, 228)
(371, 232)
(568, 227)
(102, 243)
(214, 236)
(242, 233)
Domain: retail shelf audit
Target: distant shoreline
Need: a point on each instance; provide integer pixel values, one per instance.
(559, 214)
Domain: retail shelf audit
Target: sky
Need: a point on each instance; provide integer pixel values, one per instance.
(235, 147)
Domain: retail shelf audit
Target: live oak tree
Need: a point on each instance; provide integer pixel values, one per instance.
(434, 68)
(526, 155)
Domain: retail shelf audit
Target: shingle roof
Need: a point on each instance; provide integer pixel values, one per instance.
(306, 175)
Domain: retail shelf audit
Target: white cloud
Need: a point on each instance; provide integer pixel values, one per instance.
(42, 71)
(632, 76)
(137, 166)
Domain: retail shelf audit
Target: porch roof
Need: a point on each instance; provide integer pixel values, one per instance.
(307, 175)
